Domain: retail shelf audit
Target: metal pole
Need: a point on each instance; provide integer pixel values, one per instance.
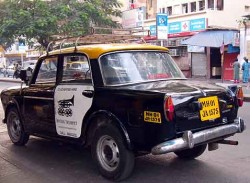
(222, 63)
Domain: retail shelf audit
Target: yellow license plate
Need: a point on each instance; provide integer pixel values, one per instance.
(152, 117)
(210, 108)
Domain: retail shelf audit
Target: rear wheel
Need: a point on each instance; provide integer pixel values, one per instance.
(112, 157)
(191, 153)
(15, 128)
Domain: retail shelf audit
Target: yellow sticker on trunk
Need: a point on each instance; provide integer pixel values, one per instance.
(152, 117)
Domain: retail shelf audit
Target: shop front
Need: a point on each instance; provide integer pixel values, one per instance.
(221, 49)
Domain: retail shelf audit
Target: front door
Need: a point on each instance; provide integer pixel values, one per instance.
(39, 98)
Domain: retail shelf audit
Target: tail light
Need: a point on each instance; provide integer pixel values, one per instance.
(240, 97)
(169, 108)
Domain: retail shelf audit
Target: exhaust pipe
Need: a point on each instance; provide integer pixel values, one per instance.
(228, 142)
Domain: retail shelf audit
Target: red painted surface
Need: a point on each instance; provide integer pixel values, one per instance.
(228, 65)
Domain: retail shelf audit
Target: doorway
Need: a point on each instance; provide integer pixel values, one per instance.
(215, 63)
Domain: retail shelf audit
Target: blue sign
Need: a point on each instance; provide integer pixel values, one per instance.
(194, 25)
(174, 27)
(152, 29)
(162, 26)
(162, 20)
(197, 24)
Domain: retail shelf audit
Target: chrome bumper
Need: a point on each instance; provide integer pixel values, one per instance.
(189, 139)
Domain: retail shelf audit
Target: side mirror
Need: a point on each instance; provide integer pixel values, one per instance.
(25, 75)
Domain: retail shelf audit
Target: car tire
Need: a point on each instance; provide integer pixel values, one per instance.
(114, 160)
(193, 153)
(15, 128)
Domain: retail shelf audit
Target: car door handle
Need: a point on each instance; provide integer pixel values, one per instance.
(88, 93)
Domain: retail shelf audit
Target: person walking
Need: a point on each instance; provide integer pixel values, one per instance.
(236, 67)
(245, 68)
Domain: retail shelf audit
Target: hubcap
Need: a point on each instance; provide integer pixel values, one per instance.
(14, 126)
(108, 153)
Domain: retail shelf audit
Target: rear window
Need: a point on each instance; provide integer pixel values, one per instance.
(132, 67)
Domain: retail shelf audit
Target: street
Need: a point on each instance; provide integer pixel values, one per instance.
(50, 161)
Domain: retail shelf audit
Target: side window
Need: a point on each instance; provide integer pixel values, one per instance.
(76, 69)
(47, 71)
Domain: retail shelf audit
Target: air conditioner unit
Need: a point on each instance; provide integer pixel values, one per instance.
(172, 43)
(174, 52)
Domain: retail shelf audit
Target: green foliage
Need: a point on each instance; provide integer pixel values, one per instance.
(45, 20)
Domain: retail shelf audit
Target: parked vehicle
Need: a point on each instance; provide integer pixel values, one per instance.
(135, 100)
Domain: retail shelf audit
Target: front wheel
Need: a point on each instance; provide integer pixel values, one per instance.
(15, 128)
(114, 160)
(191, 153)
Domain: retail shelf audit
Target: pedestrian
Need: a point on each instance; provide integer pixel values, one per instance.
(236, 67)
(15, 70)
(245, 68)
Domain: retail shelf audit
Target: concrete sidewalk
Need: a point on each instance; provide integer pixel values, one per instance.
(245, 86)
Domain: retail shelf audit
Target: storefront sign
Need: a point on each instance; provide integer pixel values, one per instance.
(174, 27)
(228, 65)
(152, 29)
(186, 28)
(198, 24)
(162, 26)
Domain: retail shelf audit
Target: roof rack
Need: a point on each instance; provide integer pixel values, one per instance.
(99, 35)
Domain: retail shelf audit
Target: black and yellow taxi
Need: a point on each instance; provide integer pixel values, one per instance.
(130, 99)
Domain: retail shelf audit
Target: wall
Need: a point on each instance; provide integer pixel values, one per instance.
(232, 12)
(244, 41)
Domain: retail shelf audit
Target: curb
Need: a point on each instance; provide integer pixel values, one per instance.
(10, 80)
(246, 99)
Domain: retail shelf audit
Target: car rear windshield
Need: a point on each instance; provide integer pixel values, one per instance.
(138, 66)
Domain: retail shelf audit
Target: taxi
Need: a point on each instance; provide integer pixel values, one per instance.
(130, 99)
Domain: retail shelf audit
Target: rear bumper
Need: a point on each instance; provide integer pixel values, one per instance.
(189, 139)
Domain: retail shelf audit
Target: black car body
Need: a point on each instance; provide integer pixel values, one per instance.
(132, 99)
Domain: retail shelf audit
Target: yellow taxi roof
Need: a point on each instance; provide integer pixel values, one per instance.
(93, 51)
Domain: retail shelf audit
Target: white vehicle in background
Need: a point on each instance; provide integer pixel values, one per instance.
(29, 63)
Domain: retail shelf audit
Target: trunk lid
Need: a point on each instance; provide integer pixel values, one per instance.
(189, 96)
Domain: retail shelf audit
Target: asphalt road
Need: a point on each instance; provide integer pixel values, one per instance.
(44, 161)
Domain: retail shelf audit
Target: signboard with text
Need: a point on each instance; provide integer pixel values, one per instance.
(162, 26)
(152, 29)
(133, 18)
(186, 28)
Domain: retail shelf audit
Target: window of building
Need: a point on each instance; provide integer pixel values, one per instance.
(247, 8)
(201, 5)
(163, 10)
(193, 6)
(185, 8)
(169, 10)
(210, 4)
(176, 10)
(220, 4)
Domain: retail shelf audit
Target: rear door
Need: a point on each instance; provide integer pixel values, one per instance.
(73, 96)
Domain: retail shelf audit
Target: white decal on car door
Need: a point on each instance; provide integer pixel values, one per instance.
(70, 109)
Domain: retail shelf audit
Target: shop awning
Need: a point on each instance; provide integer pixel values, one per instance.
(211, 38)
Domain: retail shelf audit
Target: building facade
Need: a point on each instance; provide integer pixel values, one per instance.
(189, 17)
